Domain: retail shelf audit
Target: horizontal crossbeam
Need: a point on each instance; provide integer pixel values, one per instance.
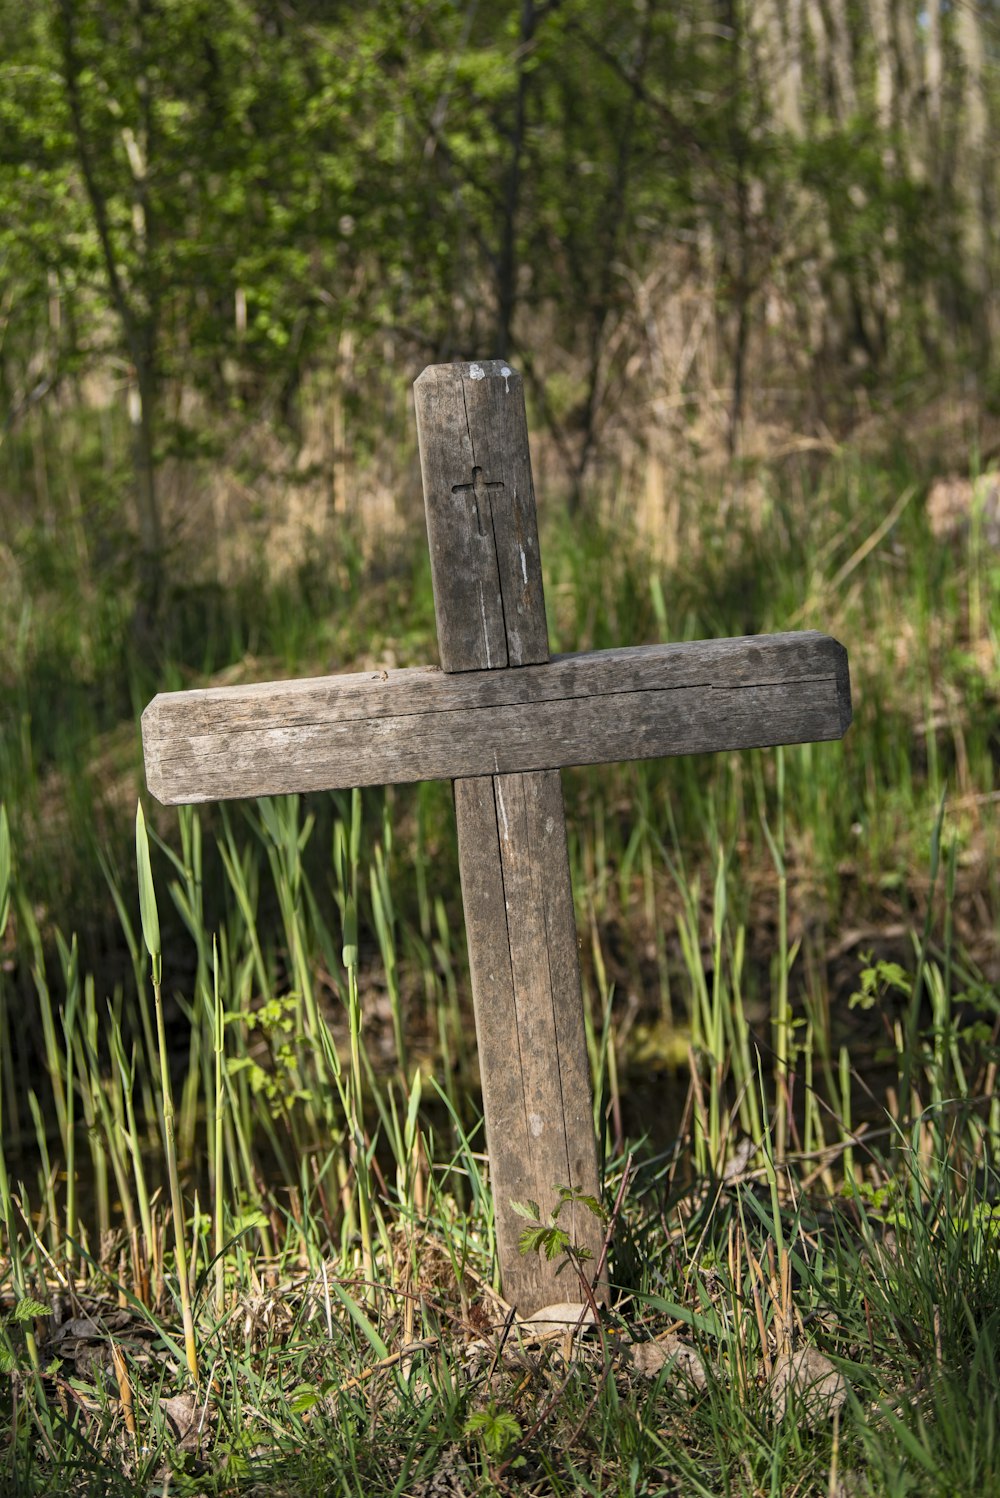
(378, 728)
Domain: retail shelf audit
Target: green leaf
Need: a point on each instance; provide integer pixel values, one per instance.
(708, 1323)
(597, 1207)
(531, 1240)
(245, 1222)
(497, 1428)
(569, 1194)
(552, 1241)
(557, 1243)
(147, 893)
(360, 1320)
(531, 1210)
(303, 1398)
(27, 1309)
(5, 862)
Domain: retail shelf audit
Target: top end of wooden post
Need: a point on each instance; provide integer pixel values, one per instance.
(475, 370)
(480, 507)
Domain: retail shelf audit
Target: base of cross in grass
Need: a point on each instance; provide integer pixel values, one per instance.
(500, 719)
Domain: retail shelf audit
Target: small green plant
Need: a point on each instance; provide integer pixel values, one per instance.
(879, 979)
(548, 1237)
(25, 1311)
(496, 1429)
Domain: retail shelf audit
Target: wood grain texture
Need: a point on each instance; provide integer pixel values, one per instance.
(483, 535)
(529, 1018)
(379, 728)
(519, 915)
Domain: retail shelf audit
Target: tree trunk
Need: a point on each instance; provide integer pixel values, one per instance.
(779, 46)
(884, 93)
(973, 172)
(151, 560)
(507, 267)
(933, 70)
(841, 59)
(137, 316)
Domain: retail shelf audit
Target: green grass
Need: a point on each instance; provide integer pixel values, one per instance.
(791, 1021)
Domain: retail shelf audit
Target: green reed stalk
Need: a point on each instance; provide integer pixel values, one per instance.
(54, 1061)
(356, 1119)
(239, 873)
(741, 1042)
(812, 1131)
(144, 1074)
(79, 1020)
(699, 1006)
(46, 1175)
(384, 914)
(717, 1018)
(285, 841)
(151, 937)
(346, 859)
(911, 1030)
(421, 862)
(784, 959)
(72, 1227)
(218, 1151)
(10, 1091)
(450, 1013)
(845, 1114)
(102, 1105)
(127, 1123)
(6, 1200)
(186, 893)
(771, 1168)
(237, 1113)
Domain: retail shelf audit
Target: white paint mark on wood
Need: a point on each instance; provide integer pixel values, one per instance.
(486, 628)
(506, 378)
(503, 811)
(476, 372)
(524, 565)
(536, 1125)
(549, 824)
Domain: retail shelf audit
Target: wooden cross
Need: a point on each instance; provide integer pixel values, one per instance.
(500, 720)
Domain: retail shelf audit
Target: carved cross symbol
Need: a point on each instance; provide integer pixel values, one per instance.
(500, 720)
(480, 488)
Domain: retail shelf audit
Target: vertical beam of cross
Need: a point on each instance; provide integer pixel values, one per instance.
(519, 915)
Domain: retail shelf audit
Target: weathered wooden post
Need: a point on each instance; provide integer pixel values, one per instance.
(500, 720)
(519, 918)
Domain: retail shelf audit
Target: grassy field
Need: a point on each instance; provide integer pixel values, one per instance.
(248, 1242)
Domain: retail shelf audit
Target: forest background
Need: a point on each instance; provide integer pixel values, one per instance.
(721, 240)
(744, 253)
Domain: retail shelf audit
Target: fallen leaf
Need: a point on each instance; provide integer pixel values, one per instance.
(810, 1380)
(561, 1317)
(76, 1327)
(648, 1358)
(182, 1412)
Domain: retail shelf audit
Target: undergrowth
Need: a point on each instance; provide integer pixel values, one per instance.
(247, 1227)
